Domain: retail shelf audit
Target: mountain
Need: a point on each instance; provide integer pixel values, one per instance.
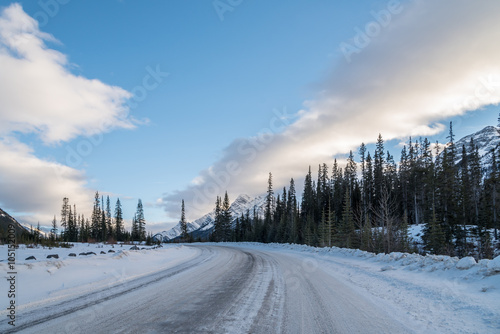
(6, 220)
(487, 140)
(202, 227)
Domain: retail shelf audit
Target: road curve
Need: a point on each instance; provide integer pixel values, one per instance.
(223, 290)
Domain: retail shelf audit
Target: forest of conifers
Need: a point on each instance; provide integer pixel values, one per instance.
(370, 204)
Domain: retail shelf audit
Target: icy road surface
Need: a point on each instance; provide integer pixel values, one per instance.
(245, 289)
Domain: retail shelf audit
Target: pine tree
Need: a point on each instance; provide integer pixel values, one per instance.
(378, 169)
(53, 231)
(118, 221)
(68, 233)
(96, 218)
(434, 239)
(291, 209)
(104, 225)
(64, 216)
(38, 233)
(109, 220)
(269, 201)
(351, 174)
(141, 222)
(226, 218)
(346, 234)
(494, 176)
(184, 229)
(135, 233)
(218, 223)
(364, 188)
(308, 207)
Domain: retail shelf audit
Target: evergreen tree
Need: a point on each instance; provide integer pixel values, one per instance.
(118, 221)
(218, 222)
(378, 169)
(38, 233)
(291, 214)
(96, 218)
(434, 239)
(135, 233)
(351, 174)
(493, 179)
(269, 201)
(64, 216)
(104, 225)
(53, 231)
(141, 222)
(184, 229)
(308, 207)
(109, 220)
(346, 233)
(226, 218)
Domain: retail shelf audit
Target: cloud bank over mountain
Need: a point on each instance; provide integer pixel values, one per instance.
(433, 61)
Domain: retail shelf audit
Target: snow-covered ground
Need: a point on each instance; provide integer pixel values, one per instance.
(431, 294)
(45, 280)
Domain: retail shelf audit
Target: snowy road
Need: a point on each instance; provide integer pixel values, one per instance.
(222, 290)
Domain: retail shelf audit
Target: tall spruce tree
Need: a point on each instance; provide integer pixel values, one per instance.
(109, 220)
(96, 218)
(118, 221)
(218, 232)
(141, 222)
(226, 218)
(184, 228)
(65, 217)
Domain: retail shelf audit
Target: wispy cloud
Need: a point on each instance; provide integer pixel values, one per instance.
(427, 65)
(40, 95)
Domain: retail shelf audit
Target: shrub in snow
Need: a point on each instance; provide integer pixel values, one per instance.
(387, 268)
(494, 265)
(134, 248)
(103, 252)
(53, 256)
(31, 258)
(72, 254)
(88, 253)
(111, 251)
(466, 263)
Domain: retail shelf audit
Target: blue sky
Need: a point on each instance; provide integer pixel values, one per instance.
(208, 77)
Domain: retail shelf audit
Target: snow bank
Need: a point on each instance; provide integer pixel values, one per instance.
(494, 265)
(466, 263)
(408, 261)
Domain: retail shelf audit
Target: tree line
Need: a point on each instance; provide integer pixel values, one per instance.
(103, 225)
(370, 204)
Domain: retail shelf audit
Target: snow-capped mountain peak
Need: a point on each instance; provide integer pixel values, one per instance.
(487, 140)
(241, 205)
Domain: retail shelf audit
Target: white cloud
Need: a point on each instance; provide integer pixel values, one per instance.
(35, 187)
(437, 59)
(40, 95)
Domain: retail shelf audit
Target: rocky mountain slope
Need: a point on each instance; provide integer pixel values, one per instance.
(487, 140)
(6, 220)
(203, 226)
